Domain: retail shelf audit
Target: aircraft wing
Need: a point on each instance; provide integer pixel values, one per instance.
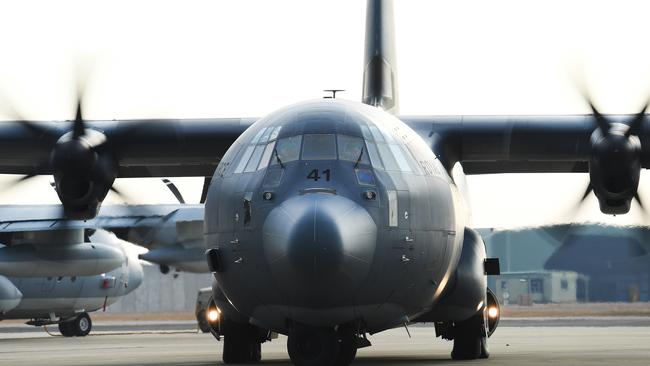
(139, 148)
(513, 144)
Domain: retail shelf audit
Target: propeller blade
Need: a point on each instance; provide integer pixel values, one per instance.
(644, 210)
(637, 121)
(601, 121)
(78, 129)
(172, 187)
(123, 196)
(10, 110)
(638, 200)
(586, 194)
(16, 181)
(206, 187)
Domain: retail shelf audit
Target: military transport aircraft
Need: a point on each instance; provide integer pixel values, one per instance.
(330, 219)
(59, 276)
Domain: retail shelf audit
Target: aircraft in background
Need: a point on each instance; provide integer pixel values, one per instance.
(173, 234)
(329, 219)
(59, 276)
(54, 270)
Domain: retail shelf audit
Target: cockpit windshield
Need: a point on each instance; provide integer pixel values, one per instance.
(319, 147)
(377, 148)
(286, 150)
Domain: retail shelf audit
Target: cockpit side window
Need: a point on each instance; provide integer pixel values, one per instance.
(384, 151)
(243, 160)
(319, 147)
(255, 159)
(255, 155)
(287, 149)
(270, 147)
(400, 159)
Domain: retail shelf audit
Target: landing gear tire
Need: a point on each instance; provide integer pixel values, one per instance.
(79, 326)
(241, 343)
(347, 346)
(470, 339)
(66, 329)
(310, 346)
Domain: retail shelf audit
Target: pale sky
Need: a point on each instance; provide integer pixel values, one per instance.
(228, 58)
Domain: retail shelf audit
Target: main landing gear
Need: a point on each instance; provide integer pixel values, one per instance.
(78, 326)
(242, 343)
(470, 338)
(312, 346)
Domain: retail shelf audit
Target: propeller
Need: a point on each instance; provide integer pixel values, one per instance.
(176, 192)
(615, 161)
(80, 161)
(172, 187)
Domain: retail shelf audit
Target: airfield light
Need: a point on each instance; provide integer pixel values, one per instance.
(213, 315)
(493, 312)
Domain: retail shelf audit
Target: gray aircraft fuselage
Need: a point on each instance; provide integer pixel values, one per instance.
(331, 211)
(52, 297)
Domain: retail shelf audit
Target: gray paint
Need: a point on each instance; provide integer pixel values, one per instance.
(173, 233)
(65, 296)
(380, 61)
(159, 293)
(73, 259)
(394, 276)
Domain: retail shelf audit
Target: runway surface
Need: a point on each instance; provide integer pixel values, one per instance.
(512, 345)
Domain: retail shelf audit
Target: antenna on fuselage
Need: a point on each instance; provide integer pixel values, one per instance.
(379, 64)
(333, 91)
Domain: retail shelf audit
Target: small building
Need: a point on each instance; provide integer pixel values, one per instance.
(526, 288)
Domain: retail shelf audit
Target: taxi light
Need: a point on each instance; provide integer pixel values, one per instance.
(213, 315)
(493, 312)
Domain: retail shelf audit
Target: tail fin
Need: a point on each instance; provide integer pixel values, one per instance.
(380, 68)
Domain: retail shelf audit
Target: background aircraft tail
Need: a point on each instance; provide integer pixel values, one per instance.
(380, 67)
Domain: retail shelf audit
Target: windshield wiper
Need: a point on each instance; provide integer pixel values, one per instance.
(277, 157)
(359, 158)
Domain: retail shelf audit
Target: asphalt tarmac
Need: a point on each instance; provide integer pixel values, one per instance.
(169, 345)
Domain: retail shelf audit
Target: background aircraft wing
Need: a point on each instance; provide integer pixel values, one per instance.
(116, 218)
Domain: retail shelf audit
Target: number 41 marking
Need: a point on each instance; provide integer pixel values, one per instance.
(314, 174)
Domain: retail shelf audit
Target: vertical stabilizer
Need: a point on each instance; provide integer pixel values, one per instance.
(380, 68)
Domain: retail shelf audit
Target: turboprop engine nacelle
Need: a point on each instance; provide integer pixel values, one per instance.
(83, 259)
(10, 296)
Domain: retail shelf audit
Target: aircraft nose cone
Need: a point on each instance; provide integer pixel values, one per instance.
(319, 247)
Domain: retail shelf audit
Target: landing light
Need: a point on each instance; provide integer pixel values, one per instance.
(493, 312)
(213, 315)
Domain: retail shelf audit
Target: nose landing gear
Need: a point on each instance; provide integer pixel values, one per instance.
(313, 346)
